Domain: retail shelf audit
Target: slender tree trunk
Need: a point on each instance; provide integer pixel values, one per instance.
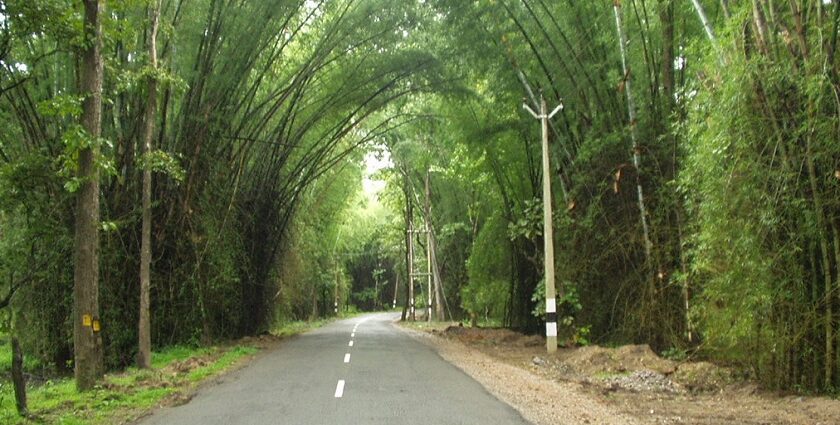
(411, 300)
(836, 232)
(814, 369)
(724, 5)
(828, 299)
(375, 291)
(761, 27)
(431, 245)
(144, 354)
(440, 301)
(313, 315)
(701, 13)
(407, 301)
(396, 287)
(18, 380)
(87, 342)
(666, 17)
(408, 309)
(430, 295)
(631, 114)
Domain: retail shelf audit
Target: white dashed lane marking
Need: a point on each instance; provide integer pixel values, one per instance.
(339, 388)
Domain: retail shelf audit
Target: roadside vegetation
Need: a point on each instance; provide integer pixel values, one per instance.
(126, 395)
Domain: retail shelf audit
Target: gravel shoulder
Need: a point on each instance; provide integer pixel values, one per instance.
(623, 385)
(539, 400)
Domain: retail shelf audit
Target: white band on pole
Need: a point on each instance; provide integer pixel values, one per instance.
(550, 329)
(551, 305)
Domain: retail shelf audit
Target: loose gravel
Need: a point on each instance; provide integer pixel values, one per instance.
(621, 385)
(539, 400)
(644, 381)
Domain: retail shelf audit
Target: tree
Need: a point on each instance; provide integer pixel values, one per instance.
(144, 355)
(87, 342)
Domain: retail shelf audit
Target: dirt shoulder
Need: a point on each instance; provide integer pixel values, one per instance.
(624, 385)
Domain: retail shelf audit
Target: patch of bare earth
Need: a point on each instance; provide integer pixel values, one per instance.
(624, 385)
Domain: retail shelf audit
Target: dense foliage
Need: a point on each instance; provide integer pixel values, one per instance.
(695, 170)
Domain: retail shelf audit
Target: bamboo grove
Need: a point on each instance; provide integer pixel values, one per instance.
(696, 170)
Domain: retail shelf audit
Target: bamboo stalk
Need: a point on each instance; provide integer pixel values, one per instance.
(706, 25)
(631, 114)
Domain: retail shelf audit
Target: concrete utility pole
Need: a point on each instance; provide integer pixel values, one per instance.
(548, 229)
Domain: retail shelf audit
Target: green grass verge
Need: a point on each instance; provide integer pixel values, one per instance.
(6, 356)
(297, 327)
(125, 396)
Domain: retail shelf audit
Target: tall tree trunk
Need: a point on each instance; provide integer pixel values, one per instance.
(18, 380)
(437, 291)
(440, 300)
(408, 308)
(631, 114)
(144, 353)
(87, 342)
(666, 18)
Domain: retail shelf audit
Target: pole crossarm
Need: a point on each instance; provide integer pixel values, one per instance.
(540, 116)
(531, 111)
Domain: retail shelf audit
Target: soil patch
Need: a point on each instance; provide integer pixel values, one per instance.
(598, 384)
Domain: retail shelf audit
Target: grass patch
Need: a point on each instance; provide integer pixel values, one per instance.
(124, 396)
(226, 360)
(286, 329)
(605, 375)
(295, 327)
(6, 356)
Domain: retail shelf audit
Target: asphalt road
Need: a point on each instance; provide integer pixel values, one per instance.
(355, 371)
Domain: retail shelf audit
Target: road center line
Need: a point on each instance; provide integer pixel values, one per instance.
(352, 334)
(350, 344)
(339, 389)
(347, 358)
